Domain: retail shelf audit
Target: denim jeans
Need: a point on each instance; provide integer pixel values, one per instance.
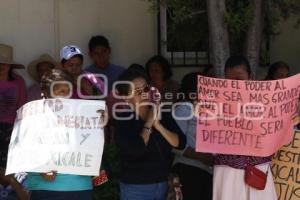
(58, 195)
(156, 191)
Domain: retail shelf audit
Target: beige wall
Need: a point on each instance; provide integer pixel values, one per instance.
(29, 29)
(179, 72)
(128, 25)
(44, 26)
(286, 46)
(33, 27)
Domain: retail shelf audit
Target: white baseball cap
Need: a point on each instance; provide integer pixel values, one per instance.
(69, 51)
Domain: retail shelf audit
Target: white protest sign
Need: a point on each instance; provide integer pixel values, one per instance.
(63, 135)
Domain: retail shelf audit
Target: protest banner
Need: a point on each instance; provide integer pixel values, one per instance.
(246, 117)
(286, 170)
(63, 135)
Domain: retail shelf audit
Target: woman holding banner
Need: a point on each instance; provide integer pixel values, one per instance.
(12, 97)
(145, 141)
(231, 171)
(54, 186)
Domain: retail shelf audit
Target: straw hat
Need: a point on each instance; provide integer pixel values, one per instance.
(32, 67)
(6, 56)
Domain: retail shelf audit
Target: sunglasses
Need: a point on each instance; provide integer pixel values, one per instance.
(144, 89)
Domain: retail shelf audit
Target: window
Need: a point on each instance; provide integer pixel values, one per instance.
(184, 40)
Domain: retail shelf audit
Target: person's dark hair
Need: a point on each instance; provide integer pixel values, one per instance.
(234, 61)
(163, 62)
(63, 61)
(139, 68)
(189, 86)
(98, 40)
(274, 67)
(209, 71)
(11, 76)
(129, 75)
(39, 65)
(51, 77)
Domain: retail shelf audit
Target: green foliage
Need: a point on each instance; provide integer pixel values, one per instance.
(187, 24)
(278, 10)
(189, 28)
(238, 16)
(181, 10)
(239, 13)
(286, 8)
(154, 5)
(185, 10)
(189, 32)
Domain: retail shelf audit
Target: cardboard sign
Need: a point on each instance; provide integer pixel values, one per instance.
(286, 170)
(63, 135)
(246, 117)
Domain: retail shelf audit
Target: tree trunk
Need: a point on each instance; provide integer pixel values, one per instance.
(254, 36)
(219, 40)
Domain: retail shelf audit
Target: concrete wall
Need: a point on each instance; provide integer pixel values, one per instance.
(286, 46)
(34, 27)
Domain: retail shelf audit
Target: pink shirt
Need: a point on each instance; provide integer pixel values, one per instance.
(12, 97)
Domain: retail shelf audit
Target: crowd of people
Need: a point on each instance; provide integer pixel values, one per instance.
(151, 149)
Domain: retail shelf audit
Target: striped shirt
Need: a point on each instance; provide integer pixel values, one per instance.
(240, 162)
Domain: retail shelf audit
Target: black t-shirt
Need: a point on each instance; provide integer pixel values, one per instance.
(140, 163)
